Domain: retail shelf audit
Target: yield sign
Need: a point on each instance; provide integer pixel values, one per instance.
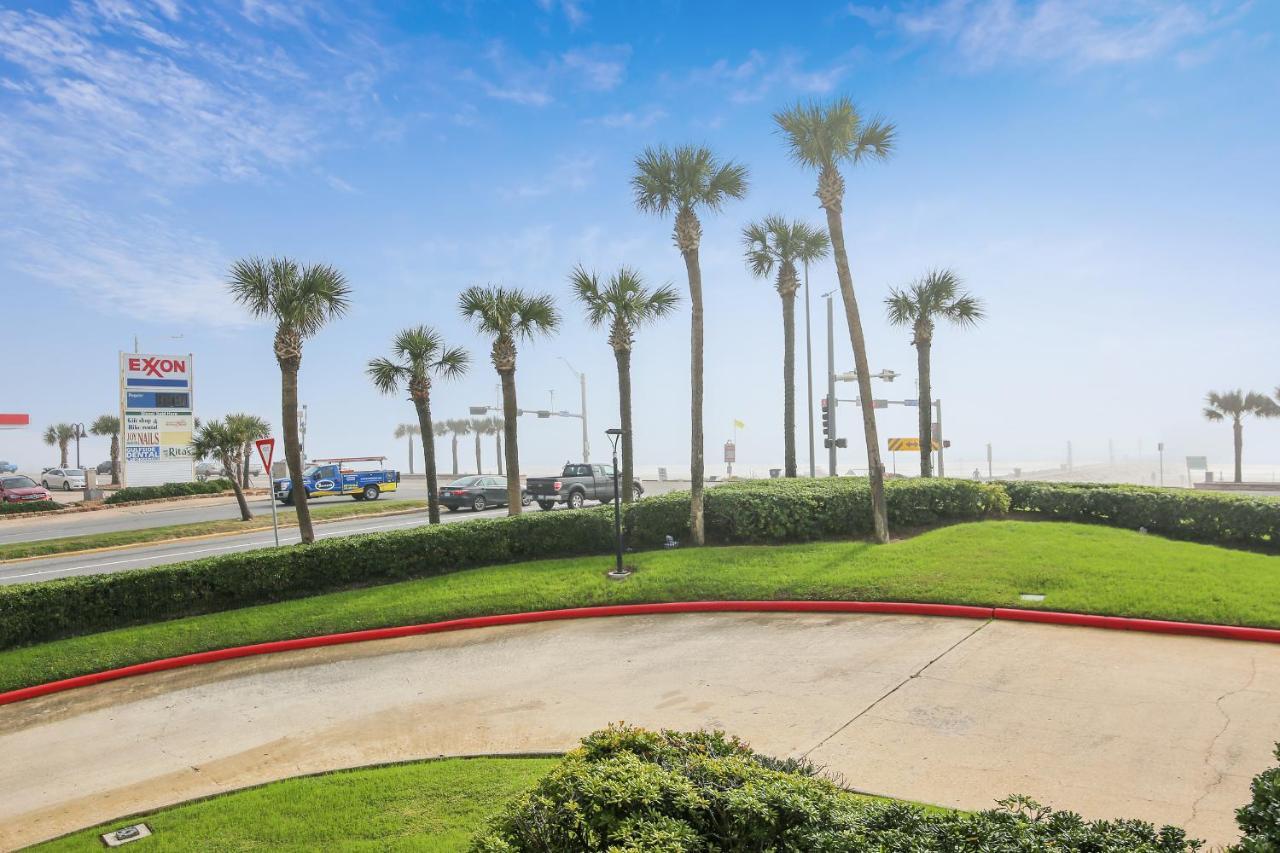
(266, 449)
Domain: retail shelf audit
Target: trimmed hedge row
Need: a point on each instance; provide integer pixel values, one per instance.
(773, 511)
(28, 506)
(1214, 517)
(169, 490)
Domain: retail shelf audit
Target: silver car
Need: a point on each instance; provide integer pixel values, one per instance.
(63, 478)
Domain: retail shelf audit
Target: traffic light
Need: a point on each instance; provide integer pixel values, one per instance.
(826, 421)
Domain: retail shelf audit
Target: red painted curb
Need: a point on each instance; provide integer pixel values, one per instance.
(1115, 623)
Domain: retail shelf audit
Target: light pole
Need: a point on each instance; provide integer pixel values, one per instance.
(78, 432)
(619, 571)
(582, 381)
(831, 386)
(808, 367)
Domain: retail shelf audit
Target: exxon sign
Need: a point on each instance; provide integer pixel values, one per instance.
(155, 367)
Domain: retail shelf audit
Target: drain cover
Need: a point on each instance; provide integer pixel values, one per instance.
(126, 834)
(1032, 596)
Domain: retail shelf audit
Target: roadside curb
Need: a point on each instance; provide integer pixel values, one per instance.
(1113, 623)
(203, 536)
(72, 509)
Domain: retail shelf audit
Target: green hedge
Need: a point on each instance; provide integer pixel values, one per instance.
(169, 490)
(28, 506)
(629, 789)
(772, 511)
(1213, 517)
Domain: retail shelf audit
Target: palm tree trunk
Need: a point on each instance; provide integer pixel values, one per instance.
(62, 448)
(497, 443)
(426, 431)
(789, 384)
(293, 449)
(1238, 428)
(879, 511)
(478, 471)
(926, 407)
(509, 429)
(455, 455)
(696, 526)
(245, 514)
(410, 437)
(247, 453)
(623, 357)
(115, 459)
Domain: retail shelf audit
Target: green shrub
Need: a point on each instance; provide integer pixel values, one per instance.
(628, 789)
(1260, 820)
(28, 506)
(1217, 518)
(168, 490)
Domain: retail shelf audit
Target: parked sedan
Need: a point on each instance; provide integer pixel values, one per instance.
(7, 467)
(477, 493)
(18, 489)
(63, 478)
(104, 467)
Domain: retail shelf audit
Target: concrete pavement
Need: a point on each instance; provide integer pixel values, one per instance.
(949, 711)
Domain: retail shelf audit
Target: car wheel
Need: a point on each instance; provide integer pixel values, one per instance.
(44, 483)
(637, 490)
(546, 505)
(451, 508)
(66, 485)
(576, 500)
(525, 499)
(479, 504)
(371, 493)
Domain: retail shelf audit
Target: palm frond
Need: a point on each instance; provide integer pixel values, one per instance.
(875, 140)
(386, 375)
(453, 363)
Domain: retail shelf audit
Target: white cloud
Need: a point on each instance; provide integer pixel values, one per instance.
(510, 76)
(762, 74)
(571, 9)
(1077, 33)
(570, 174)
(631, 120)
(599, 68)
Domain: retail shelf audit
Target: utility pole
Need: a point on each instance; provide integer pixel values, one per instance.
(808, 363)
(937, 405)
(989, 475)
(1070, 463)
(582, 382)
(831, 386)
(302, 432)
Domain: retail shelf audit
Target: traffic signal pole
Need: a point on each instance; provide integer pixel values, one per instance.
(831, 387)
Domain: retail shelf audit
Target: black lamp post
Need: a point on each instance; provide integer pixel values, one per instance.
(78, 432)
(619, 572)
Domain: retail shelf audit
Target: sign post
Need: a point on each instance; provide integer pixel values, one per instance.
(266, 449)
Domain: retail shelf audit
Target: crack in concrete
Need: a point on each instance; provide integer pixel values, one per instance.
(895, 688)
(1220, 776)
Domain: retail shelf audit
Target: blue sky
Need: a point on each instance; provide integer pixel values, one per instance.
(1103, 174)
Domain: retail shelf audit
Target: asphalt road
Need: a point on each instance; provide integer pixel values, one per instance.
(957, 712)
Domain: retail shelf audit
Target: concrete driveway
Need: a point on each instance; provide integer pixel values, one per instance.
(949, 711)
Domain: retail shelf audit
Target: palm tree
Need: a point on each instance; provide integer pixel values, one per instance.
(457, 427)
(1220, 405)
(821, 136)
(624, 304)
(60, 436)
(480, 427)
(410, 431)
(420, 354)
(109, 425)
(935, 297)
(773, 247)
(251, 428)
(439, 429)
(223, 442)
(301, 299)
(495, 429)
(509, 315)
(680, 181)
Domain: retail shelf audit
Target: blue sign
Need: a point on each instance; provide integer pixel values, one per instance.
(141, 399)
(151, 452)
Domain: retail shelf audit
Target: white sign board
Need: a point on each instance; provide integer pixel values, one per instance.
(156, 421)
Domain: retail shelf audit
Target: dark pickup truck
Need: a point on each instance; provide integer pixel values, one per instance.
(577, 484)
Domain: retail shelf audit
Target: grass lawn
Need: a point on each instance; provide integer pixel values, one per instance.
(67, 544)
(1081, 568)
(428, 805)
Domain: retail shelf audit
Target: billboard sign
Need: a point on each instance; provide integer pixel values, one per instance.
(156, 419)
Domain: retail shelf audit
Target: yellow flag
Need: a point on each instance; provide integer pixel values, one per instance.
(737, 424)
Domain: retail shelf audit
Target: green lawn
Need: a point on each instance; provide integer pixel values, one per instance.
(67, 544)
(1082, 568)
(429, 805)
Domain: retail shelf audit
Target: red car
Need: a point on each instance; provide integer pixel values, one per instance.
(14, 489)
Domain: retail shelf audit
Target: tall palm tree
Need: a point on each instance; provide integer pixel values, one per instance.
(1220, 405)
(410, 431)
(60, 436)
(223, 442)
(509, 315)
(495, 429)
(822, 136)
(458, 427)
(935, 297)
(301, 299)
(681, 181)
(773, 248)
(109, 425)
(624, 304)
(251, 428)
(420, 354)
(480, 427)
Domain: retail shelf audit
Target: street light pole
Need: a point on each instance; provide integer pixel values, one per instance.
(78, 431)
(942, 470)
(582, 381)
(619, 571)
(808, 365)
(831, 387)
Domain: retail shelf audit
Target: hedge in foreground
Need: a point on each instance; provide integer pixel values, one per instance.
(32, 613)
(168, 490)
(28, 506)
(629, 789)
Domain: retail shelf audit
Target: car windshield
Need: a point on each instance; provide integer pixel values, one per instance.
(576, 471)
(311, 470)
(18, 482)
(465, 481)
(75, 472)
